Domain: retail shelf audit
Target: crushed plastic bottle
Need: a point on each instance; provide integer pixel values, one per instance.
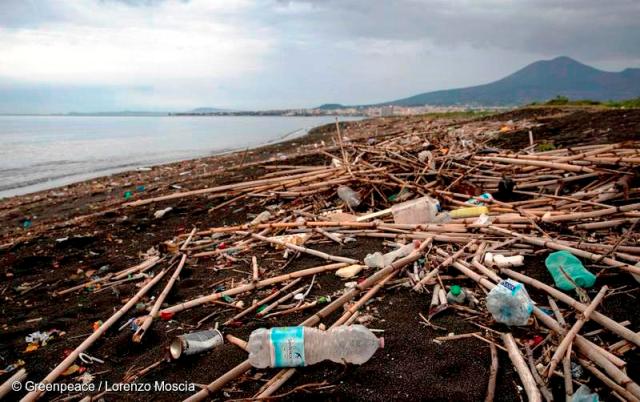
(262, 217)
(509, 303)
(421, 210)
(456, 295)
(379, 260)
(304, 346)
(562, 264)
(350, 197)
(584, 394)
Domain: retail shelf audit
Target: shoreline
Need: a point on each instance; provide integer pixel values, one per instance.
(39, 184)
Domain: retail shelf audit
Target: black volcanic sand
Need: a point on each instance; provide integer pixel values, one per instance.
(410, 367)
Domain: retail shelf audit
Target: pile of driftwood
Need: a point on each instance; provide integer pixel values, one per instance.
(580, 200)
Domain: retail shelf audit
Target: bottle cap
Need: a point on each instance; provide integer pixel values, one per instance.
(455, 290)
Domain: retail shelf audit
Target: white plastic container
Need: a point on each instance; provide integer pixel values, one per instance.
(502, 261)
(303, 346)
(421, 210)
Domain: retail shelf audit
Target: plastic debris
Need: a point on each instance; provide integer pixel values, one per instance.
(502, 261)
(262, 217)
(584, 394)
(304, 346)
(567, 271)
(162, 212)
(350, 197)
(421, 210)
(379, 260)
(195, 342)
(456, 295)
(350, 271)
(509, 303)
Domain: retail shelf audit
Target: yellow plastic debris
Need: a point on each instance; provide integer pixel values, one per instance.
(470, 212)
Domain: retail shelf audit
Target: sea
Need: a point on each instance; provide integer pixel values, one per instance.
(43, 152)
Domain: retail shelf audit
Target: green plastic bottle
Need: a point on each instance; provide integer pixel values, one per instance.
(456, 295)
(565, 261)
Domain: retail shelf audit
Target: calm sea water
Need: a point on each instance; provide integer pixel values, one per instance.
(41, 152)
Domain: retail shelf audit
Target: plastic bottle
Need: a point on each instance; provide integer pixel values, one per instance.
(422, 210)
(350, 197)
(303, 346)
(509, 303)
(584, 394)
(562, 264)
(456, 295)
(379, 260)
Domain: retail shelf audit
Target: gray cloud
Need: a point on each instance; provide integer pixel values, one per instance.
(290, 53)
(591, 29)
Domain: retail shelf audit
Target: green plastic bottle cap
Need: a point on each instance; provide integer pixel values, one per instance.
(456, 290)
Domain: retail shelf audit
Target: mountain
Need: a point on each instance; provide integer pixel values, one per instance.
(331, 106)
(539, 81)
(205, 110)
(119, 113)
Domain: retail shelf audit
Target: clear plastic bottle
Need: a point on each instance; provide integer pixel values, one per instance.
(509, 303)
(456, 295)
(349, 196)
(303, 346)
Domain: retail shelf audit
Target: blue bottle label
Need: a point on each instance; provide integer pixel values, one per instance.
(512, 286)
(288, 346)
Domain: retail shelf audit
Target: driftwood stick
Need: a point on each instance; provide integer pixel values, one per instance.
(562, 348)
(68, 361)
(18, 377)
(444, 264)
(262, 302)
(143, 266)
(170, 311)
(546, 393)
(236, 341)
(566, 373)
(137, 336)
(186, 242)
(283, 299)
(530, 387)
(305, 249)
(493, 374)
(256, 270)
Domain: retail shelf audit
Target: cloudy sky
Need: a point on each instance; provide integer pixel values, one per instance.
(106, 55)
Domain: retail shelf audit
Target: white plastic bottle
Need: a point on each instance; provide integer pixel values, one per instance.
(303, 346)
